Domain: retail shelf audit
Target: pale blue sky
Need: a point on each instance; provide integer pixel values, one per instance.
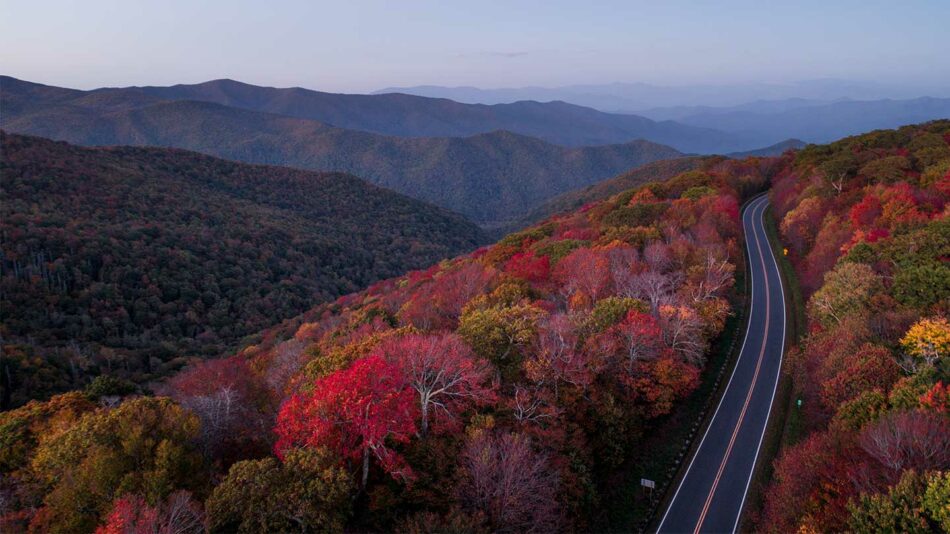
(358, 46)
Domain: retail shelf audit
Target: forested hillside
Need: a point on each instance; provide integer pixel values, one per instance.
(866, 222)
(401, 115)
(497, 391)
(129, 260)
(492, 178)
(656, 171)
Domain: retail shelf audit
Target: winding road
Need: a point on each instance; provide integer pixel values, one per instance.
(711, 494)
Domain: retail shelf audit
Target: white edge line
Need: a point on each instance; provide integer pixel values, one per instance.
(778, 374)
(749, 208)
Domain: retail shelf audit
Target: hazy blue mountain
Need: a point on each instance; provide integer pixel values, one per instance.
(411, 116)
(637, 97)
(821, 123)
(758, 106)
(492, 178)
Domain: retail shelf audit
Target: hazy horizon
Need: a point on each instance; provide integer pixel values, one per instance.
(362, 47)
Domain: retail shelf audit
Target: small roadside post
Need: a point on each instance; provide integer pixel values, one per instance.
(648, 484)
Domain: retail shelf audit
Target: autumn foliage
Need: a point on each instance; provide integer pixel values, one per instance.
(358, 412)
(866, 221)
(497, 391)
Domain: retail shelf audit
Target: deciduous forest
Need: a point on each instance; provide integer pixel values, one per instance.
(474, 268)
(126, 261)
(866, 222)
(504, 389)
(497, 391)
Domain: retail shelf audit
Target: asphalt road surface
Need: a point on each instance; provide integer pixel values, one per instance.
(711, 494)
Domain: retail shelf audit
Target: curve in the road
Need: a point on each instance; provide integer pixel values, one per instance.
(712, 492)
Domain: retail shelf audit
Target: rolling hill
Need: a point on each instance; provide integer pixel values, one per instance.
(127, 258)
(651, 172)
(816, 111)
(407, 115)
(484, 373)
(492, 178)
(772, 150)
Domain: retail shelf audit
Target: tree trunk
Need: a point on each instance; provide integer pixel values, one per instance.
(7, 384)
(365, 468)
(425, 418)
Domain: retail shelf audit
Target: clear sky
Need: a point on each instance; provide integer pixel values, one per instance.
(363, 45)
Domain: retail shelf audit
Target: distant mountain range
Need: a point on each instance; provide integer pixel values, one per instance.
(492, 178)
(754, 115)
(166, 253)
(637, 97)
(414, 116)
(812, 121)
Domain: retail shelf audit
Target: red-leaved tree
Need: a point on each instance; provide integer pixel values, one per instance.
(869, 367)
(443, 371)
(638, 337)
(937, 398)
(437, 304)
(358, 412)
(527, 266)
(662, 382)
(130, 514)
(812, 477)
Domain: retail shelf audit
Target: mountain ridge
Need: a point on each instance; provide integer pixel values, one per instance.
(407, 115)
(640, 97)
(490, 178)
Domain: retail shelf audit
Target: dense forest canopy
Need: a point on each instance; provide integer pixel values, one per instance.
(503, 389)
(656, 171)
(867, 225)
(498, 390)
(126, 260)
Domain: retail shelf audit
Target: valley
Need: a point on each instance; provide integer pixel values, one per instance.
(128, 260)
(492, 178)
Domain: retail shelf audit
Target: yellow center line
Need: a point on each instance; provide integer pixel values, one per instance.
(748, 398)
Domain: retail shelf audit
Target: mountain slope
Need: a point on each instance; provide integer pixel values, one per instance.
(866, 224)
(651, 172)
(491, 178)
(772, 150)
(415, 116)
(131, 254)
(533, 368)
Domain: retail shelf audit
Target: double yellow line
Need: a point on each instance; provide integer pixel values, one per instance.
(755, 378)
